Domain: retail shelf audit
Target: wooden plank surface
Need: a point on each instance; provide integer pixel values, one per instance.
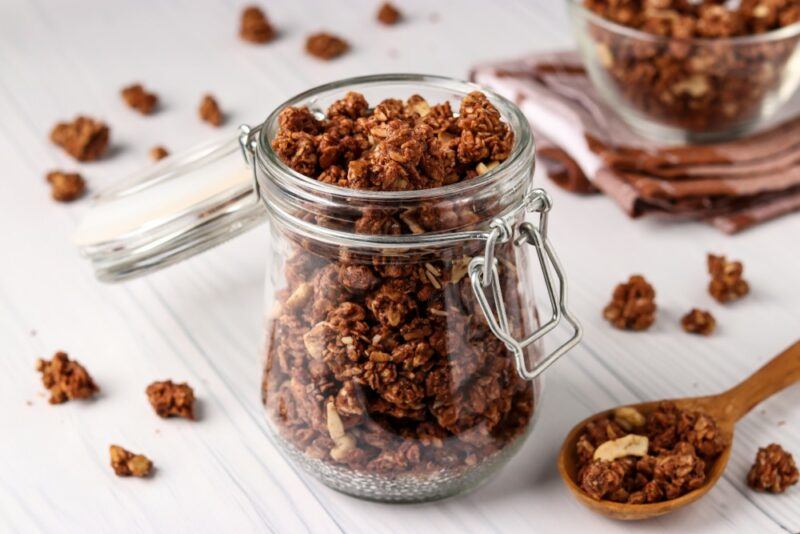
(200, 320)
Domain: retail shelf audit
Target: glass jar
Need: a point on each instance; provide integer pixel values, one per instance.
(401, 359)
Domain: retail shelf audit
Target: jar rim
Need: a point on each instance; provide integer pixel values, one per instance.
(297, 183)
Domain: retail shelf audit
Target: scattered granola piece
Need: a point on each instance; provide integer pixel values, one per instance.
(168, 399)
(774, 470)
(255, 26)
(158, 152)
(66, 379)
(85, 139)
(137, 98)
(66, 186)
(126, 463)
(388, 14)
(726, 283)
(209, 111)
(632, 305)
(699, 322)
(326, 46)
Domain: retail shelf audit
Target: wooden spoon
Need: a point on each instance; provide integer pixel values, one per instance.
(726, 408)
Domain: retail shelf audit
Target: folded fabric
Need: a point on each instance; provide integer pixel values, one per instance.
(586, 147)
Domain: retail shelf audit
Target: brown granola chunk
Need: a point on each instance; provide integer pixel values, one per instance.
(126, 463)
(294, 119)
(388, 14)
(699, 322)
(139, 99)
(326, 46)
(85, 139)
(169, 399)
(352, 106)
(484, 135)
(726, 283)
(298, 150)
(66, 186)
(209, 111)
(679, 471)
(158, 152)
(774, 470)
(632, 305)
(600, 478)
(255, 27)
(66, 379)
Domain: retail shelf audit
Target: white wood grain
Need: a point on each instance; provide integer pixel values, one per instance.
(200, 320)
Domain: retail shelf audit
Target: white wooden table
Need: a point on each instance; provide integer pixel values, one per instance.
(200, 321)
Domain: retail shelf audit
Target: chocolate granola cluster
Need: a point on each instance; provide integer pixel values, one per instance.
(633, 305)
(692, 84)
(727, 281)
(384, 363)
(66, 379)
(676, 448)
(774, 470)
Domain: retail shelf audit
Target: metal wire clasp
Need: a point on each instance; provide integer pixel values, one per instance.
(484, 274)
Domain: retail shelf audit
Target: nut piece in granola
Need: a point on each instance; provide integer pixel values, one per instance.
(388, 14)
(630, 445)
(632, 305)
(699, 322)
(127, 464)
(169, 399)
(209, 111)
(255, 26)
(774, 470)
(85, 139)
(139, 99)
(726, 283)
(158, 153)
(343, 442)
(628, 418)
(66, 379)
(66, 186)
(326, 45)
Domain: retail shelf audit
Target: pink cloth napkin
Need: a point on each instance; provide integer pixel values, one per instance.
(586, 147)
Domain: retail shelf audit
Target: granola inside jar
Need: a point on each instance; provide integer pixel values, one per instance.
(401, 355)
(382, 375)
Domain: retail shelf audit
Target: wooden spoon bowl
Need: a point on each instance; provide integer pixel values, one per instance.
(726, 408)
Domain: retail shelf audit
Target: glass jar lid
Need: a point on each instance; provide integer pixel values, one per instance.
(179, 207)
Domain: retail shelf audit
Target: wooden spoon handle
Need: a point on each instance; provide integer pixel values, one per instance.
(780, 372)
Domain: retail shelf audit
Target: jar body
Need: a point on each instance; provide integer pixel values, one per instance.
(381, 376)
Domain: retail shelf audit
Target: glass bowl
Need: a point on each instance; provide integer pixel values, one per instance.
(688, 90)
